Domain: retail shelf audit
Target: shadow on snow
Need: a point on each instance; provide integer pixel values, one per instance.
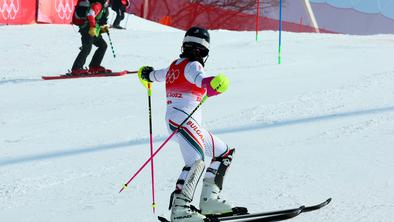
(257, 126)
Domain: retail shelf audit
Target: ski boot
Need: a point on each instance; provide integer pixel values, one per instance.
(210, 201)
(79, 72)
(99, 69)
(181, 210)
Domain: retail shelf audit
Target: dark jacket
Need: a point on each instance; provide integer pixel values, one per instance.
(119, 4)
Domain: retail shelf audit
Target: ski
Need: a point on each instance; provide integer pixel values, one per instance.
(261, 217)
(271, 216)
(258, 217)
(317, 206)
(69, 76)
(276, 215)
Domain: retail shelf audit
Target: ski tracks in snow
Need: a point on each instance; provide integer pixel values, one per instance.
(17, 81)
(342, 102)
(346, 101)
(60, 181)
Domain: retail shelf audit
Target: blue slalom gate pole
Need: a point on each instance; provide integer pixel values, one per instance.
(280, 33)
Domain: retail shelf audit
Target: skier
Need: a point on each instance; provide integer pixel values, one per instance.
(186, 85)
(119, 6)
(91, 16)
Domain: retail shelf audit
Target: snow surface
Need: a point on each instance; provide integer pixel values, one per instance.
(319, 125)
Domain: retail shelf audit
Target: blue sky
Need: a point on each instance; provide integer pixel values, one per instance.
(385, 7)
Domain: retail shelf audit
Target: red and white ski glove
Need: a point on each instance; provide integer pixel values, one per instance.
(215, 85)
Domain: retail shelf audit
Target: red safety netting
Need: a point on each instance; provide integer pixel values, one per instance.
(297, 15)
(351, 21)
(241, 15)
(232, 15)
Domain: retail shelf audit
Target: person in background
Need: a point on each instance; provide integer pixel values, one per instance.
(91, 16)
(119, 6)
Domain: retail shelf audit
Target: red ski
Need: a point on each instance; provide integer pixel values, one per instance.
(69, 76)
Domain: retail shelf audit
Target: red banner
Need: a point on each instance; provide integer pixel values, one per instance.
(55, 11)
(17, 11)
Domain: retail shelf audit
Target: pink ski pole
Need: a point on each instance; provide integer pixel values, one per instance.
(163, 144)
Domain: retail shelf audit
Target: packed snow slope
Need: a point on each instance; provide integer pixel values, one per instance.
(319, 125)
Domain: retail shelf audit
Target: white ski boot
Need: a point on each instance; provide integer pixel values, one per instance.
(181, 211)
(210, 201)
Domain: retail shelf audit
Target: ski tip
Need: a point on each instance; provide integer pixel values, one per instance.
(325, 202)
(162, 219)
(317, 206)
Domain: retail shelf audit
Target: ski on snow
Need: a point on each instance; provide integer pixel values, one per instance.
(267, 216)
(69, 76)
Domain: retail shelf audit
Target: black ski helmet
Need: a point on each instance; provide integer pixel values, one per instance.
(197, 39)
(100, 1)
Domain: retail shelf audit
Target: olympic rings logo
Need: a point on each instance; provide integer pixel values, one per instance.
(64, 9)
(172, 75)
(9, 9)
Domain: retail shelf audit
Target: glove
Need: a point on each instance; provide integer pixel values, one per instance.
(104, 29)
(215, 85)
(143, 75)
(92, 31)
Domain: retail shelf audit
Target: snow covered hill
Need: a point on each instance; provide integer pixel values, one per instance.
(319, 125)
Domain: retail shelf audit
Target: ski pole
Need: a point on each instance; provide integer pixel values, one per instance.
(110, 43)
(163, 144)
(151, 146)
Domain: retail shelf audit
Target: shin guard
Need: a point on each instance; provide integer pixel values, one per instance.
(218, 168)
(188, 180)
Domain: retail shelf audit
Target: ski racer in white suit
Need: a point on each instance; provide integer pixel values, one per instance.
(186, 85)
